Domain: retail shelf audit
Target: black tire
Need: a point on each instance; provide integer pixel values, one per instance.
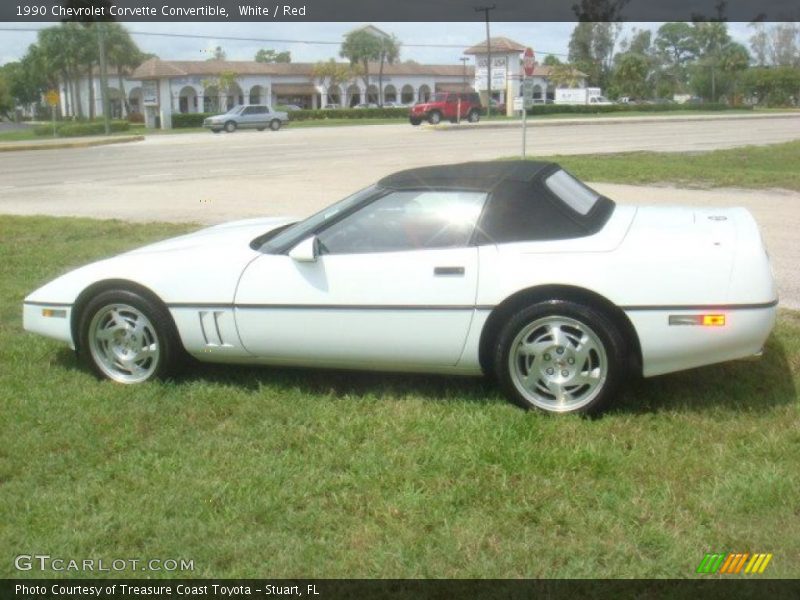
(215, 130)
(435, 117)
(474, 116)
(261, 128)
(586, 376)
(230, 126)
(414, 121)
(275, 124)
(169, 352)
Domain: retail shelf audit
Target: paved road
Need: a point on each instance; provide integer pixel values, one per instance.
(211, 178)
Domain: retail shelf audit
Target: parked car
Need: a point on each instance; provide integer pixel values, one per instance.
(331, 106)
(510, 268)
(447, 105)
(366, 105)
(247, 116)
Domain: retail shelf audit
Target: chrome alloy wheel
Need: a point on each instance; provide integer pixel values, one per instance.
(123, 343)
(558, 364)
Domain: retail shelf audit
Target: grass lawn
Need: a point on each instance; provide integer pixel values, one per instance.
(772, 166)
(292, 472)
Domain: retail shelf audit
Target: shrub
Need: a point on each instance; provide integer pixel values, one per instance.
(183, 120)
(551, 109)
(79, 128)
(136, 117)
(348, 113)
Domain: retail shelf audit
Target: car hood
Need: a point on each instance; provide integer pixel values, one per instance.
(218, 236)
(203, 266)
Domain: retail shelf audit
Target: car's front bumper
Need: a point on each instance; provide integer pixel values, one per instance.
(51, 320)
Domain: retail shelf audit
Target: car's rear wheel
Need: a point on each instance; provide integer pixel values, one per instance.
(275, 124)
(560, 357)
(435, 117)
(414, 121)
(474, 117)
(261, 128)
(230, 126)
(128, 338)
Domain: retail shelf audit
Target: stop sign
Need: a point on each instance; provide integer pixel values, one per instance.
(527, 62)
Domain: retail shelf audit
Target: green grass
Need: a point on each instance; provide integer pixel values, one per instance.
(772, 166)
(293, 472)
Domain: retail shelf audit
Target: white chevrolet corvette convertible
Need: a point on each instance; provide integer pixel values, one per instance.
(512, 268)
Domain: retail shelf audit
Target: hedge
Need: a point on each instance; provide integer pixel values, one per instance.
(79, 128)
(550, 109)
(196, 119)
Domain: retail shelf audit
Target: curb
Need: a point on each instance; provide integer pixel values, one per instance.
(532, 122)
(22, 146)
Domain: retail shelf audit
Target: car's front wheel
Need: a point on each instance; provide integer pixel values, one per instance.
(128, 338)
(275, 124)
(230, 126)
(560, 357)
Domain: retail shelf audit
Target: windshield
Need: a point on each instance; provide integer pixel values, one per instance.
(439, 98)
(234, 110)
(299, 231)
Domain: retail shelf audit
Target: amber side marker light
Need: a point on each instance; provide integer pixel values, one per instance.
(54, 312)
(704, 320)
(713, 320)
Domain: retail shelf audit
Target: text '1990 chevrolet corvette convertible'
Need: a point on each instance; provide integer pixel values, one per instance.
(512, 268)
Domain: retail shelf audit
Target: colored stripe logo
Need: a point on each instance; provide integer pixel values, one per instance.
(734, 563)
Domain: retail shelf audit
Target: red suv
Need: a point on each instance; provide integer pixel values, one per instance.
(450, 106)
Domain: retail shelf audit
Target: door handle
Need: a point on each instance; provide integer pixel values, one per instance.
(448, 271)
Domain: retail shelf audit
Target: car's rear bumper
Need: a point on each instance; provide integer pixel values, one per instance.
(674, 347)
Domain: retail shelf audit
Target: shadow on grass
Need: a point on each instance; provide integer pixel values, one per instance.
(745, 385)
(738, 385)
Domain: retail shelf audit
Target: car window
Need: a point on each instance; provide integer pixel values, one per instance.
(578, 196)
(406, 220)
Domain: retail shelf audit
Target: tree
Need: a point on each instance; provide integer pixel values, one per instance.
(591, 49)
(224, 83)
(124, 54)
(266, 55)
(551, 61)
(564, 75)
(6, 99)
(332, 73)
(635, 69)
(218, 54)
(360, 47)
(773, 86)
(390, 53)
(675, 47)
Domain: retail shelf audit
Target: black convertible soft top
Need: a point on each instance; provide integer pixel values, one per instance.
(521, 206)
(484, 176)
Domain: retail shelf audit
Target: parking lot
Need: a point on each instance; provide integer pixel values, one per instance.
(205, 178)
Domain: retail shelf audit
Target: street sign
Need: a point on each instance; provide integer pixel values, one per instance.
(52, 97)
(518, 103)
(528, 62)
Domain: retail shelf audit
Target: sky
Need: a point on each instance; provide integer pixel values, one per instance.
(544, 38)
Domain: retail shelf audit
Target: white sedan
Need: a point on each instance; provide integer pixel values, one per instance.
(511, 268)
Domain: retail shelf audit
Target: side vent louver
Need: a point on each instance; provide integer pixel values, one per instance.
(210, 326)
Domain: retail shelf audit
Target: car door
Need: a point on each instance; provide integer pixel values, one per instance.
(394, 286)
(249, 117)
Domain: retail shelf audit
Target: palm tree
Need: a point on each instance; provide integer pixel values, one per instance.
(124, 55)
(389, 53)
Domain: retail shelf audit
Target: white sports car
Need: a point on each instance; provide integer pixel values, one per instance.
(510, 268)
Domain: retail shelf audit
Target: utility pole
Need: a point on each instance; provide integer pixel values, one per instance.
(101, 42)
(464, 60)
(485, 10)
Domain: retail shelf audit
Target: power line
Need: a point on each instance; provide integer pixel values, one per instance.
(269, 40)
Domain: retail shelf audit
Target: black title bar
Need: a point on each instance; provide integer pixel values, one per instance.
(398, 10)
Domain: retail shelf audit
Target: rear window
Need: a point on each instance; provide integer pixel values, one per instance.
(573, 193)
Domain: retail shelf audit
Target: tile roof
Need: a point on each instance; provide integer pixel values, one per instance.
(156, 68)
(498, 44)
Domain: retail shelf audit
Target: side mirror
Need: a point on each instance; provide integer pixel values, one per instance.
(305, 251)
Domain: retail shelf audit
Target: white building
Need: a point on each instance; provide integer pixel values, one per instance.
(160, 88)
